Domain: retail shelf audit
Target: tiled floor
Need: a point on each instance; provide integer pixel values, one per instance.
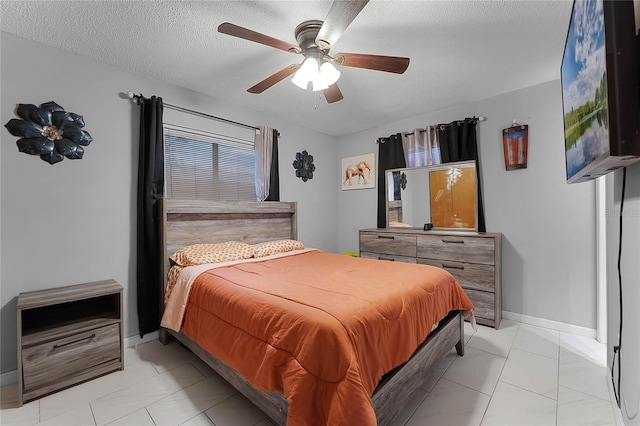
(517, 375)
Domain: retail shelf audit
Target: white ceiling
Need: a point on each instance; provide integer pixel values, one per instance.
(460, 51)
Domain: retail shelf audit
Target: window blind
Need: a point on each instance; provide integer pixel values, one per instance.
(202, 165)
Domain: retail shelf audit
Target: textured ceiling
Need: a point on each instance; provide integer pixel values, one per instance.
(460, 51)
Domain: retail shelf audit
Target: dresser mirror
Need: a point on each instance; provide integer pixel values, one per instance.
(444, 195)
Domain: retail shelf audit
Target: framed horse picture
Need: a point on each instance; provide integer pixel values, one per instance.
(359, 172)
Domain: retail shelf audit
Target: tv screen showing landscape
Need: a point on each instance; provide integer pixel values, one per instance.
(584, 88)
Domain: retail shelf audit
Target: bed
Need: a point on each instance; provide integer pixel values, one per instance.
(192, 222)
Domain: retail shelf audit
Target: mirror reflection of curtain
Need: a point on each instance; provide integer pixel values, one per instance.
(390, 156)
(397, 195)
(458, 142)
(421, 148)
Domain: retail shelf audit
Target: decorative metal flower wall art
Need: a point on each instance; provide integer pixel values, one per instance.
(403, 181)
(304, 165)
(49, 131)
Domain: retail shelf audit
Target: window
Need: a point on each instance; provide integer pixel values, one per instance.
(203, 165)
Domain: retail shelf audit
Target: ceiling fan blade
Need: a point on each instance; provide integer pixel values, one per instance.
(393, 64)
(273, 79)
(237, 31)
(341, 14)
(333, 94)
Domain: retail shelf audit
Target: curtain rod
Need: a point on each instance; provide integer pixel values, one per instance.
(442, 127)
(139, 96)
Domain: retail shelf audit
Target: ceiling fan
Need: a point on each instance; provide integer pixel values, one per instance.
(315, 39)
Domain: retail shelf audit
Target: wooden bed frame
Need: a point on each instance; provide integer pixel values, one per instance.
(185, 222)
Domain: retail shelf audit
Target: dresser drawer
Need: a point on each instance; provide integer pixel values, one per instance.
(472, 276)
(389, 257)
(386, 243)
(457, 248)
(483, 303)
(64, 359)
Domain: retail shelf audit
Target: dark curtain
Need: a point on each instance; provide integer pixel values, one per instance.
(390, 156)
(458, 142)
(274, 175)
(150, 189)
(397, 194)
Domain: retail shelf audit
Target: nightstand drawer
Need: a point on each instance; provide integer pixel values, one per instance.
(67, 359)
(457, 248)
(387, 243)
(469, 275)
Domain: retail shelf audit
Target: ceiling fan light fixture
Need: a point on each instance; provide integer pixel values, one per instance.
(320, 76)
(308, 72)
(315, 39)
(300, 81)
(319, 83)
(329, 73)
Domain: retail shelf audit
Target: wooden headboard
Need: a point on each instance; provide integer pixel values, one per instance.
(185, 222)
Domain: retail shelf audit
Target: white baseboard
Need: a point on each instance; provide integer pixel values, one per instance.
(129, 342)
(8, 378)
(553, 325)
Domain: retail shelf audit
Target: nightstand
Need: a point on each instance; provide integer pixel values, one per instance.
(68, 335)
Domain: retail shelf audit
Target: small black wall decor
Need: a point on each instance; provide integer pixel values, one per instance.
(403, 181)
(304, 165)
(49, 131)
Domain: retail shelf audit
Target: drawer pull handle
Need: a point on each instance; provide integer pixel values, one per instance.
(74, 341)
(387, 258)
(453, 266)
(453, 242)
(387, 237)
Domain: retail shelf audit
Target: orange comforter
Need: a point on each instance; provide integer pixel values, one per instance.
(320, 328)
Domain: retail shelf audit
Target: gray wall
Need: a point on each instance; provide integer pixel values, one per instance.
(74, 221)
(630, 268)
(548, 226)
(630, 271)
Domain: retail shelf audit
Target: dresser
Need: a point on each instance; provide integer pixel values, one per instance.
(472, 258)
(67, 335)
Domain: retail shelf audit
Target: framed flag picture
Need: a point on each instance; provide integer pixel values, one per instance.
(515, 142)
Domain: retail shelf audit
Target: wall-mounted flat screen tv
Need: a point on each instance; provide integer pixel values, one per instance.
(600, 89)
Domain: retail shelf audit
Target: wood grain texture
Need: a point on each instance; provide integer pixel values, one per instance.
(48, 334)
(394, 211)
(453, 201)
(484, 306)
(498, 287)
(389, 399)
(68, 335)
(389, 257)
(458, 249)
(469, 275)
(230, 223)
(474, 260)
(236, 207)
(386, 243)
(59, 360)
(273, 404)
(80, 377)
(52, 296)
(185, 222)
